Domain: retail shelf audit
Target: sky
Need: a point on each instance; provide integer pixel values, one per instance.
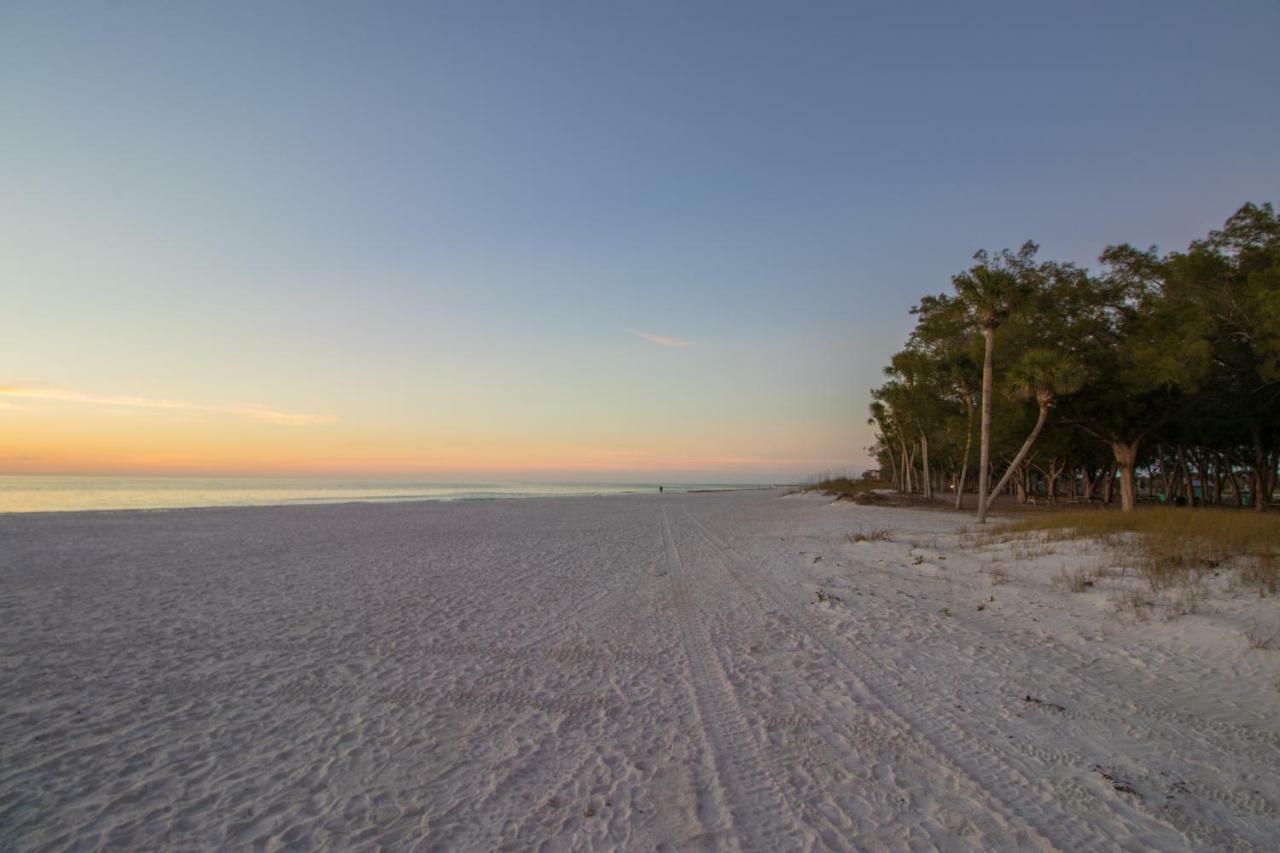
(561, 241)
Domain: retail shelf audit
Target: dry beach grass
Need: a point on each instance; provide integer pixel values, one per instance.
(1170, 546)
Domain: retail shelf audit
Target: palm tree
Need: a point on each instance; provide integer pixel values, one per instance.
(1041, 375)
(988, 294)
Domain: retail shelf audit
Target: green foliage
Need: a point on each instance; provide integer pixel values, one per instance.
(989, 294)
(1043, 374)
(1099, 371)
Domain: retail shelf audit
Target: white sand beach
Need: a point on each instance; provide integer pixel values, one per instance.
(630, 672)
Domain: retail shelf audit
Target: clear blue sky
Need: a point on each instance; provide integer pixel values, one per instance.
(430, 231)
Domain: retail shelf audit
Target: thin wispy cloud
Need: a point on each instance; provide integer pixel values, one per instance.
(663, 340)
(31, 391)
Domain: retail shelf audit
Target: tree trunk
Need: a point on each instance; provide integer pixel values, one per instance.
(1272, 468)
(1188, 487)
(1166, 478)
(1051, 478)
(1261, 474)
(1126, 460)
(926, 482)
(892, 457)
(1022, 454)
(911, 466)
(1108, 485)
(984, 452)
(968, 446)
(906, 466)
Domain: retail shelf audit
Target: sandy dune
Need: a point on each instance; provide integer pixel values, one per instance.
(594, 673)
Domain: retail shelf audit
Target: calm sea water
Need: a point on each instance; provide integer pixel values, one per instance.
(31, 493)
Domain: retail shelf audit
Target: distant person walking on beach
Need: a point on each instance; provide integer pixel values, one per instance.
(659, 489)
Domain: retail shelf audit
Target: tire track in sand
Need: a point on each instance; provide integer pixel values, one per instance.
(1213, 733)
(1159, 799)
(952, 747)
(971, 755)
(758, 813)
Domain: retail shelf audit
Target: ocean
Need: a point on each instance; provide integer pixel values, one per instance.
(56, 493)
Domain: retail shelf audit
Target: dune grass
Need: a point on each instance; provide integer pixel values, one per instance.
(845, 487)
(1168, 544)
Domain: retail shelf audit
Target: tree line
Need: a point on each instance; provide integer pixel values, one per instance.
(1159, 373)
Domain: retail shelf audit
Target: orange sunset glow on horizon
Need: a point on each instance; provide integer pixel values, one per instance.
(50, 430)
